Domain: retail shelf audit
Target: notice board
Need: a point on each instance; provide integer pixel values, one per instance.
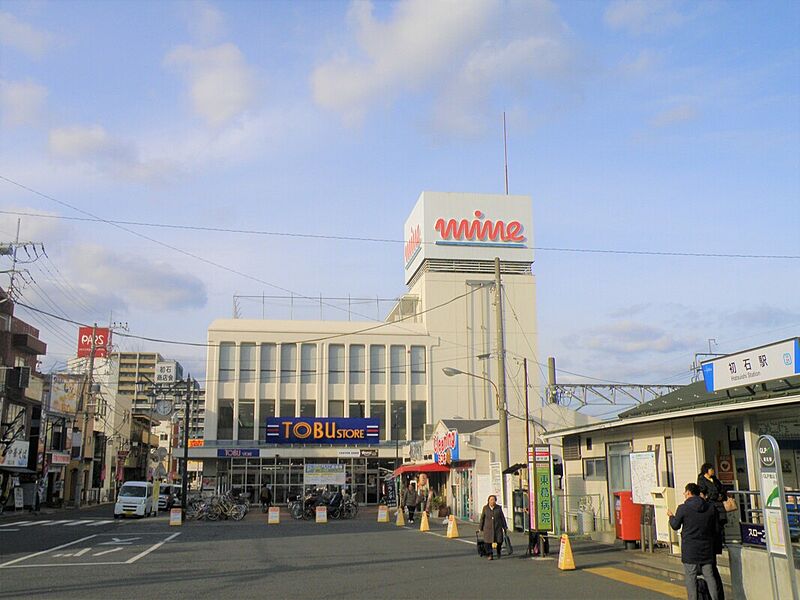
(644, 476)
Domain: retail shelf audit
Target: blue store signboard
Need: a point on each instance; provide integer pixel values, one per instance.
(322, 430)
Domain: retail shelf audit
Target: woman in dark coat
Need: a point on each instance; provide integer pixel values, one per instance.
(493, 525)
(712, 490)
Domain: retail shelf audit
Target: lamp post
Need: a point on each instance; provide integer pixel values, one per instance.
(501, 412)
(148, 388)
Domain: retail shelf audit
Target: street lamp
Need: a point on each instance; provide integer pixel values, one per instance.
(501, 413)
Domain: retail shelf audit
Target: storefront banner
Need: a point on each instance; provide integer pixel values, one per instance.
(59, 458)
(323, 430)
(17, 454)
(348, 453)
(238, 453)
(324, 474)
(390, 491)
(766, 363)
(446, 447)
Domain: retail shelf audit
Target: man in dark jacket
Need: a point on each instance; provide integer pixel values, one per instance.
(699, 525)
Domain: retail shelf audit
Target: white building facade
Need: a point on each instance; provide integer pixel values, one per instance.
(391, 370)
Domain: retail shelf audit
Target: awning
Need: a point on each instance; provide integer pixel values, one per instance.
(423, 468)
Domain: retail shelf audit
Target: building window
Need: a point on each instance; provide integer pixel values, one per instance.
(269, 357)
(377, 365)
(247, 363)
(670, 464)
(572, 447)
(288, 363)
(588, 443)
(357, 364)
(308, 363)
(225, 420)
(357, 409)
(335, 363)
(227, 364)
(417, 366)
(377, 410)
(397, 361)
(288, 408)
(246, 419)
(398, 421)
(594, 468)
(308, 408)
(335, 408)
(418, 420)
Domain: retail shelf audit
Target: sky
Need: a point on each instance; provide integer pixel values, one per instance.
(635, 126)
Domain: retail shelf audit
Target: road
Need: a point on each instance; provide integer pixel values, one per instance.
(87, 554)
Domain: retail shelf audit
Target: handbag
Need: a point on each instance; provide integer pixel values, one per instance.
(730, 504)
(507, 543)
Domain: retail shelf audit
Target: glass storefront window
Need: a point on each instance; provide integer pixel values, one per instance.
(308, 408)
(288, 408)
(335, 408)
(357, 409)
(417, 420)
(377, 410)
(398, 421)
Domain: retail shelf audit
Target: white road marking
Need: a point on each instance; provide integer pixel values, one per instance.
(15, 523)
(28, 523)
(108, 551)
(26, 557)
(57, 522)
(82, 552)
(115, 540)
(6, 529)
(103, 522)
(149, 550)
(37, 523)
(443, 536)
(68, 524)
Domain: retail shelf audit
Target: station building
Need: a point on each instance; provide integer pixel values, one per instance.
(391, 370)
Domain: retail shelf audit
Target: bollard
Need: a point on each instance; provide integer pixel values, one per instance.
(423, 522)
(452, 528)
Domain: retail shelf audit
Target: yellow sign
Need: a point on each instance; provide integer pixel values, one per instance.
(383, 514)
(175, 516)
(322, 514)
(565, 560)
(196, 443)
(452, 528)
(274, 516)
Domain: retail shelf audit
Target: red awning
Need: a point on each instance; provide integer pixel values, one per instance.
(423, 468)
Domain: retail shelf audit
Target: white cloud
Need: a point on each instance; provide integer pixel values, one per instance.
(94, 146)
(206, 21)
(644, 62)
(675, 115)
(629, 336)
(221, 84)
(21, 102)
(642, 16)
(135, 281)
(462, 51)
(21, 36)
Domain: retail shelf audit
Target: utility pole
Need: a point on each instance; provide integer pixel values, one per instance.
(501, 369)
(85, 406)
(552, 396)
(185, 471)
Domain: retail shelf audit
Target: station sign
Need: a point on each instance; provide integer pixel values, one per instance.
(540, 487)
(767, 363)
(329, 431)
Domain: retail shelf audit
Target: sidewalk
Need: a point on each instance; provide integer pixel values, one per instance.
(46, 510)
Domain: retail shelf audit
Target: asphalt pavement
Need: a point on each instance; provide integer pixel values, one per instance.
(87, 554)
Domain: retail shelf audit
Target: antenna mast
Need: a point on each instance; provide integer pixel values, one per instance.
(505, 150)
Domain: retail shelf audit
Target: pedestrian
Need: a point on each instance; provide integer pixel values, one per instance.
(411, 501)
(266, 498)
(699, 524)
(711, 489)
(493, 526)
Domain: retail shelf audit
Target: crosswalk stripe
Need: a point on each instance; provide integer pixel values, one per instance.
(103, 522)
(76, 523)
(62, 521)
(29, 523)
(15, 524)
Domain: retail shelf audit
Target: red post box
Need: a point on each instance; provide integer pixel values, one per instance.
(627, 516)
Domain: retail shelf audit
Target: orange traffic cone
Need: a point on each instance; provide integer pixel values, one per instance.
(423, 522)
(565, 560)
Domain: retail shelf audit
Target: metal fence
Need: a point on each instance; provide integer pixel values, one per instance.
(749, 511)
(581, 514)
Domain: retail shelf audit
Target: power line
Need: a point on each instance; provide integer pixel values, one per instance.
(331, 237)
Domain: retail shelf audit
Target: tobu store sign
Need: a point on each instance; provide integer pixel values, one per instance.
(449, 226)
(322, 430)
(102, 339)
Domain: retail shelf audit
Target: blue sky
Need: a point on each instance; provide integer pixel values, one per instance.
(642, 125)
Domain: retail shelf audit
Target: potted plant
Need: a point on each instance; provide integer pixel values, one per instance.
(439, 504)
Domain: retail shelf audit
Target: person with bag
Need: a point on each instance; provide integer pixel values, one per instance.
(493, 526)
(699, 526)
(411, 501)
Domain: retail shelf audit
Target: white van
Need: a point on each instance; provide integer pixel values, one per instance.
(135, 498)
